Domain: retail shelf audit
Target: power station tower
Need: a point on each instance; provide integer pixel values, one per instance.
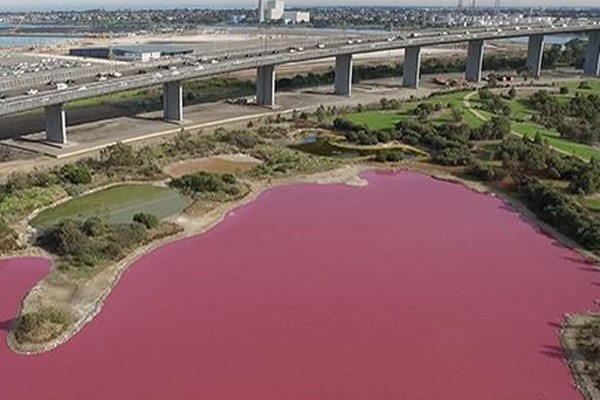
(261, 11)
(460, 4)
(473, 4)
(497, 5)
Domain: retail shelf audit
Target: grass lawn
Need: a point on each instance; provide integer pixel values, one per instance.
(520, 110)
(379, 120)
(574, 86)
(593, 203)
(118, 203)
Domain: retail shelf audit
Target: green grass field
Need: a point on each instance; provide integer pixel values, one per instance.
(520, 111)
(118, 204)
(380, 120)
(593, 203)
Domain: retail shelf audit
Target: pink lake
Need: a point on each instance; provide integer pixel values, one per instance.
(409, 288)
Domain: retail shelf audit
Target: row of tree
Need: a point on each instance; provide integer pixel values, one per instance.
(577, 119)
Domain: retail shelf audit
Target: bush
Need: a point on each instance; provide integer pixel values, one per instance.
(76, 174)
(585, 85)
(564, 90)
(40, 326)
(558, 210)
(452, 156)
(484, 172)
(389, 156)
(9, 240)
(150, 221)
(204, 182)
(239, 138)
(91, 242)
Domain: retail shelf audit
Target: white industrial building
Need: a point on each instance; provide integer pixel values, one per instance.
(296, 17)
(275, 10)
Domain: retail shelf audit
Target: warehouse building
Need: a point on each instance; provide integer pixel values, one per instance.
(131, 53)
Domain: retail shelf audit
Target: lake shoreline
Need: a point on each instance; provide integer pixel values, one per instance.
(194, 226)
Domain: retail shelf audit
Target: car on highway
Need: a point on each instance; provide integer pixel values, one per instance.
(321, 46)
(61, 86)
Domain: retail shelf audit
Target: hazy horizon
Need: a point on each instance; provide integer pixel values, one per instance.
(38, 5)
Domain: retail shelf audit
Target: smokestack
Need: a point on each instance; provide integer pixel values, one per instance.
(261, 11)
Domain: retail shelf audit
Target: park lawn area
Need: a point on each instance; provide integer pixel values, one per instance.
(530, 129)
(573, 148)
(119, 203)
(450, 98)
(574, 86)
(471, 118)
(519, 109)
(379, 120)
(593, 203)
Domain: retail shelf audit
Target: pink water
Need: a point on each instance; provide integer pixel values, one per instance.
(408, 289)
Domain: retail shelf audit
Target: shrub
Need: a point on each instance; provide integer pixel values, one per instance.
(150, 221)
(584, 85)
(204, 182)
(9, 240)
(91, 242)
(40, 326)
(76, 174)
(389, 156)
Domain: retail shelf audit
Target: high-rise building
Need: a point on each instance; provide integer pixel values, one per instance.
(275, 10)
(261, 11)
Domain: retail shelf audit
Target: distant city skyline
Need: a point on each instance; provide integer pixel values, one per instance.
(34, 5)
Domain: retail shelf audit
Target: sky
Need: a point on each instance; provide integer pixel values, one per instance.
(31, 5)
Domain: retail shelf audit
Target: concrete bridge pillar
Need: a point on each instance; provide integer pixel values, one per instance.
(173, 101)
(265, 86)
(343, 75)
(412, 67)
(475, 61)
(56, 124)
(535, 54)
(591, 67)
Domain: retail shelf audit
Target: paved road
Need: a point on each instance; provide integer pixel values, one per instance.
(252, 61)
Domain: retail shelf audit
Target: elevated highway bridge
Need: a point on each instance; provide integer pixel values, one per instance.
(265, 62)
